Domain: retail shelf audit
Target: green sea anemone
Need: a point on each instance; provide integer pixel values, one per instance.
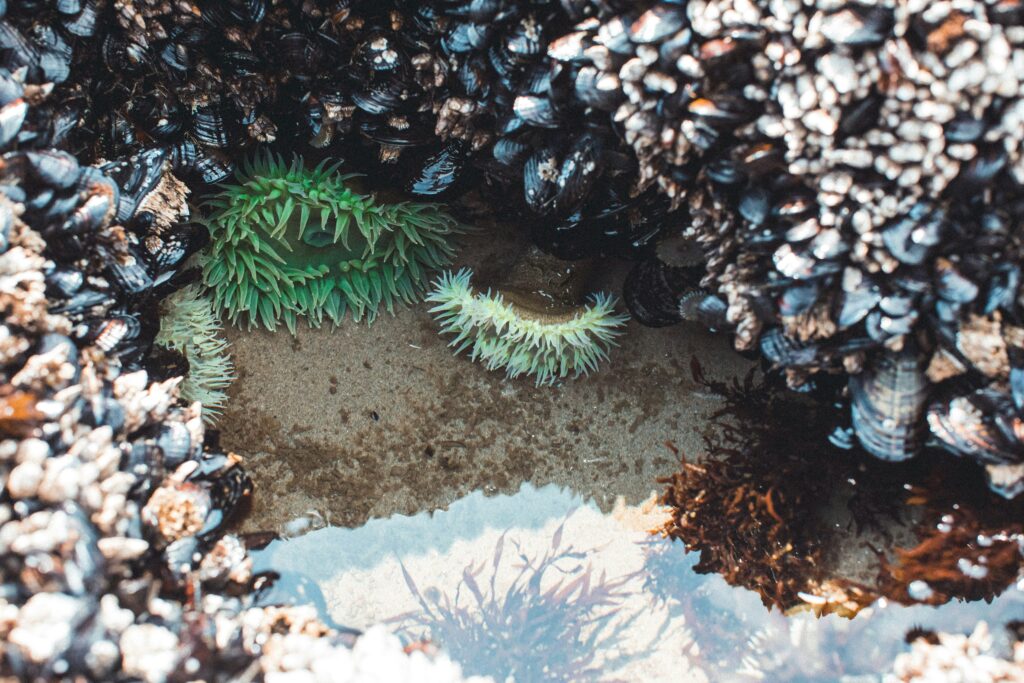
(291, 242)
(189, 324)
(508, 329)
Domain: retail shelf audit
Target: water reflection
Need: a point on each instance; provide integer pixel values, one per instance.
(542, 586)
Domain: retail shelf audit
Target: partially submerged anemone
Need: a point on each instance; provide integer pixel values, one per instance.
(506, 328)
(290, 242)
(189, 324)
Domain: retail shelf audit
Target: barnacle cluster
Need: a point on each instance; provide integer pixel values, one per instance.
(289, 242)
(947, 656)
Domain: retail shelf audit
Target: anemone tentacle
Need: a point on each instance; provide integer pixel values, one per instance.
(291, 242)
(501, 334)
(189, 324)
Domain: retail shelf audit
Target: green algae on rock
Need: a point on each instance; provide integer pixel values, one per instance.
(505, 329)
(290, 242)
(189, 324)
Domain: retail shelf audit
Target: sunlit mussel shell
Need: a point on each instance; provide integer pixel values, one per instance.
(910, 237)
(97, 205)
(657, 23)
(480, 11)
(581, 166)
(537, 110)
(887, 403)
(782, 351)
(437, 173)
(509, 151)
(983, 424)
(598, 89)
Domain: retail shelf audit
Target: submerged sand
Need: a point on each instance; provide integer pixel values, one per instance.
(367, 421)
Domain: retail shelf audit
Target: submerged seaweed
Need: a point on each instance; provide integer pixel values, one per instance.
(740, 506)
(539, 629)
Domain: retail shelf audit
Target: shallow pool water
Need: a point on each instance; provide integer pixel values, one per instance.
(365, 420)
(542, 585)
(511, 524)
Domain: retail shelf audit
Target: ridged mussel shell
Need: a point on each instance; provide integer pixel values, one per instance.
(888, 401)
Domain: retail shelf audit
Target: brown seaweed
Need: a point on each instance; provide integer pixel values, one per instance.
(756, 508)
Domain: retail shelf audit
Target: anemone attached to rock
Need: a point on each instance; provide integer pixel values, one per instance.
(508, 328)
(189, 324)
(290, 242)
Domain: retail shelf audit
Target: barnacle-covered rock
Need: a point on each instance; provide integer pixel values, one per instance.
(954, 656)
(849, 170)
(111, 495)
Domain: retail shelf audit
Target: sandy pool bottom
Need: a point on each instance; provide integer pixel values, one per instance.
(367, 421)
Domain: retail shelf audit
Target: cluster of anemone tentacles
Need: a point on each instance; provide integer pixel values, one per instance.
(289, 242)
(507, 329)
(191, 326)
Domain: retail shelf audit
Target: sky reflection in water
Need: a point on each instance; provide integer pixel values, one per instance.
(543, 586)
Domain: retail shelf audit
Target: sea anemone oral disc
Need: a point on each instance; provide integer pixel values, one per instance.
(501, 332)
(290, 242)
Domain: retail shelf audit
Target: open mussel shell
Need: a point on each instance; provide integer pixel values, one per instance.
(437, 174)
(656, 293)
(887, 404)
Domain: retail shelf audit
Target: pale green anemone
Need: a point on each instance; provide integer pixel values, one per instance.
(290, 242)
(189, 324)
(504, 329)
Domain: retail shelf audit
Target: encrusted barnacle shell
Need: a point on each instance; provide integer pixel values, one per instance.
(177, 509)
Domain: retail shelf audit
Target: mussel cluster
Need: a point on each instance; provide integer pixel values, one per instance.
(114, 561)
